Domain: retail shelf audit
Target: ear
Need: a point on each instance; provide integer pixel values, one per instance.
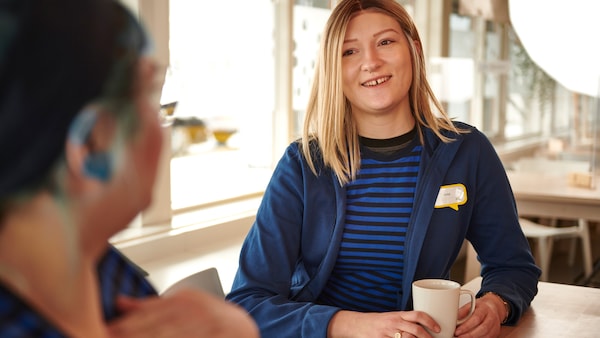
(418, 47)
(82, 125)
(88, 145)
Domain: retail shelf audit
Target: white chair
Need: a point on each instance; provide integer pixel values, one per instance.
(545, 236)
(206, 280)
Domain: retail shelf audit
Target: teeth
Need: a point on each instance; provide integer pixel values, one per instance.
(376, 82)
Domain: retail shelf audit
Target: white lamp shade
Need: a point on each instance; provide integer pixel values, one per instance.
(562, 38)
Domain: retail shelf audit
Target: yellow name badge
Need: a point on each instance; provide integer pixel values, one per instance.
(451, 196)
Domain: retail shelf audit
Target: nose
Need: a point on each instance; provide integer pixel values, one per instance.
(371, 60)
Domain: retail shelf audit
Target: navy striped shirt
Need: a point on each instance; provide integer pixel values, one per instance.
(369, 268)
(117, 276)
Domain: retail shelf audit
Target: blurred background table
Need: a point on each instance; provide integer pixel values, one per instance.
(549, 195)
(558, 310)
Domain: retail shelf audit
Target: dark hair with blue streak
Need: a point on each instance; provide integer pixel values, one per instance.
(56, 57)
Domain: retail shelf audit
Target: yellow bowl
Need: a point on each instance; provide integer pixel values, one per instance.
(222, 135)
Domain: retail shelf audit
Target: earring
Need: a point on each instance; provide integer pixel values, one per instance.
(96, 165)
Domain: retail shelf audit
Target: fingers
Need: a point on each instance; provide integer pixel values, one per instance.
(404, 335)
(183, 314)
(415, 324)
(126, 304)
(483, 323)
(463, 311)
(424, 321)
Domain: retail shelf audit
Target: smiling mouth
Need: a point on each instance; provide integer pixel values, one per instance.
(376, 82)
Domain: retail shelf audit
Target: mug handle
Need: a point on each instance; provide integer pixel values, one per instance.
(472, 295)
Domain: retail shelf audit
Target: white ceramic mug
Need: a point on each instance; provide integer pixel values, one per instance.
(440, 299)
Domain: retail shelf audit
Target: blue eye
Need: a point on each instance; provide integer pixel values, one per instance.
(386, 42)
(348, 52)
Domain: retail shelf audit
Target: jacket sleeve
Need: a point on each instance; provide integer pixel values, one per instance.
(271, 272)
(507, 265)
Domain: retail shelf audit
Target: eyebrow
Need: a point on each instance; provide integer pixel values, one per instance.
(376, 34)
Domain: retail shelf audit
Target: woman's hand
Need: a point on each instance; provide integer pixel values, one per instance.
(387, 324)
(188, 313)
(485, 321)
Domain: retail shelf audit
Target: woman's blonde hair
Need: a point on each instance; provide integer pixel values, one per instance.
(329, 121)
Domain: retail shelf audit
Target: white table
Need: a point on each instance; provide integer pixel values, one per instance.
(558, 310)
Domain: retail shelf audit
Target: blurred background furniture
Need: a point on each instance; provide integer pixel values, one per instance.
(542, 192)
(544, 236)
(548, 195)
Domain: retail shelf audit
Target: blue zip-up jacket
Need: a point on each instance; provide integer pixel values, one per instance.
(291, 249)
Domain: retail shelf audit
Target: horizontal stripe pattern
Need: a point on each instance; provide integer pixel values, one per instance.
(117, 277)
(369, 268)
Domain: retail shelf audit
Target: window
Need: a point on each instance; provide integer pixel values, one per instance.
(511, 97)
(222, 74)
(309, 20)
(241, 67)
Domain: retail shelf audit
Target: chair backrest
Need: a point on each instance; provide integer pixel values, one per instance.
(206, 280)
(472, 265)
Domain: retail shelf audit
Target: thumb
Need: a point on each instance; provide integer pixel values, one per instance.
(126, 304)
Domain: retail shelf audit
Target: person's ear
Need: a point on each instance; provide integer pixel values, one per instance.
(418, 47)
(85, 153)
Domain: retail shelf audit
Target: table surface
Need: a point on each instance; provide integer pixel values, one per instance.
(550, 195)
(558, 310)
(550, 187)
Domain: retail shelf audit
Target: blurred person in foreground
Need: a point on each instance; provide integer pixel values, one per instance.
(80, 142)
(382, 190)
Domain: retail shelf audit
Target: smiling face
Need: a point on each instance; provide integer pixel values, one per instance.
(376, 68)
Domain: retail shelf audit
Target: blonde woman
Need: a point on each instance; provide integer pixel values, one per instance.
(79, 148)
(382, 189)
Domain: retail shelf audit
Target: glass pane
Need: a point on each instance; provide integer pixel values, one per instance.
(453, 78)
(492, 73)
(314, 3)
(500, 116)
(309, 21)
(531, 93)
(222, 77)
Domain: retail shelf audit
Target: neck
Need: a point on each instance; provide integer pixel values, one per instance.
(42, 262)
(385, 126)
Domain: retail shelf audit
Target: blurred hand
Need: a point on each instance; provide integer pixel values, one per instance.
(187, 313)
